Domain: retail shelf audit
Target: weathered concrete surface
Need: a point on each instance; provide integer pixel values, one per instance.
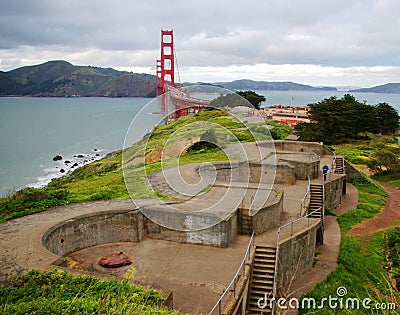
(196, 274)
(296, 255)
(21, 239)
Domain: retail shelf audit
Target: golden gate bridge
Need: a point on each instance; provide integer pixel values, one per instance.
(183, 103)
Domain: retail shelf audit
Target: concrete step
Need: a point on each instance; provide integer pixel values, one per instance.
(267, 262)
(262, 279)
(265, 249)
(262, 288)
(265, 254)
(255, 299)
(265, 271)
(265, 278)
(262, 292)
(262, 267)
(267, 284)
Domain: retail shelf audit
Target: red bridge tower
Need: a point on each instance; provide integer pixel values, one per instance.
(165, 66)
(183, 103)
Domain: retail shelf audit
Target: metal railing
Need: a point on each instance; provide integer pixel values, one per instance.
(280, 229)
(339, 168)
(232, 284)
(306, 199)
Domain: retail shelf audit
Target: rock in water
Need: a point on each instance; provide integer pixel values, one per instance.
(57, 158)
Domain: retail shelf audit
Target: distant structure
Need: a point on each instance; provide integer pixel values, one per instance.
(288, 115)
(165, 67)
(183, 103)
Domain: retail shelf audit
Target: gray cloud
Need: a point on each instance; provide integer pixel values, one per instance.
(126, 33)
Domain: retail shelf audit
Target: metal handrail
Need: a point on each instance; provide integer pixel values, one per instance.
(304, 200)
(278, 245)
(234, 280)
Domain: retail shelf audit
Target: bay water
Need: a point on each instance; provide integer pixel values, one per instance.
(34, 130)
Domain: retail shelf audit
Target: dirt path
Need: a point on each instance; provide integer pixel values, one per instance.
(389, 217)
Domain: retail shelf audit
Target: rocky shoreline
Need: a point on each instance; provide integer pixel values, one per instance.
(65, 165)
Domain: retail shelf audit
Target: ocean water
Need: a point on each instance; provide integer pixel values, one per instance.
(302, 98)
(34, 130)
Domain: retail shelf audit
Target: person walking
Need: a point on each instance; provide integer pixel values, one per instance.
(325, 170)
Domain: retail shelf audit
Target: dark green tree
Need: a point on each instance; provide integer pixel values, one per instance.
(336, 120)
(228, 100)
(387, 118)
(238, 99)
(254, 98)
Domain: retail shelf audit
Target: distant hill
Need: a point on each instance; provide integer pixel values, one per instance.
(60, 78)
(271, 86)
(385, 88)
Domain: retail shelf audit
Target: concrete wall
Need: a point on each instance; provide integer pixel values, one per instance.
(129, 226)
(268, 217)
(95, 229)
(296, 256)
(304, 169)
(351, 172)
(333, 191)
(297, 146)
(220, 234)
(252, 172)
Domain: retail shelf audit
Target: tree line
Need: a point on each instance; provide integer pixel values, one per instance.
(335, 120)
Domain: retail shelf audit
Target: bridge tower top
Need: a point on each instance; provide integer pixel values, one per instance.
(165, 67)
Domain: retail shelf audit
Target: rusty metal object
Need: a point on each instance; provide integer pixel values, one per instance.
(115, 260)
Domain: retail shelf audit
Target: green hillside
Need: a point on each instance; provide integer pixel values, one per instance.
(62, 79)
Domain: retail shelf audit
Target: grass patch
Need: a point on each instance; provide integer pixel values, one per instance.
(58, 292)
(31, 200)
(359, 152)
(391, 178)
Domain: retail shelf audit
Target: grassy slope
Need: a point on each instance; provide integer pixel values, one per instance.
(58, 292)
(360, 266)
(359, 153)
(104, 179)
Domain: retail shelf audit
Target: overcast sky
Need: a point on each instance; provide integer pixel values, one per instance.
(317, 42)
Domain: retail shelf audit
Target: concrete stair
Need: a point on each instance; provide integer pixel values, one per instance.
(316, 200)
(246, 225)
(339, 165)
(262, 280)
